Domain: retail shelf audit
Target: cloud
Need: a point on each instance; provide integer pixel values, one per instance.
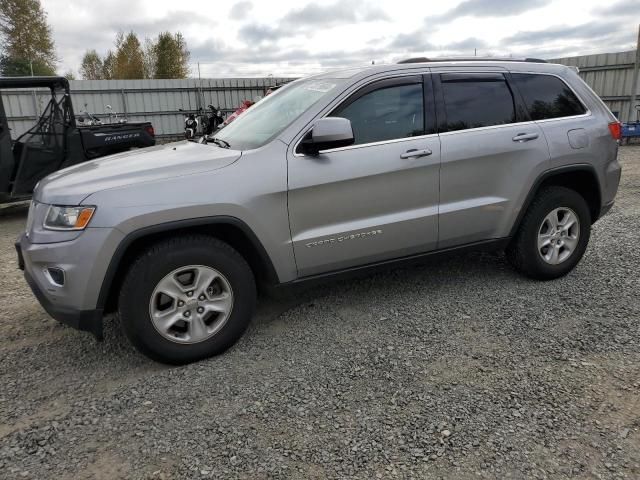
(592, 30)
(412, 41)
(313, 17)
(173, 21)
(255, 33)
(465, 45)
(416, 42)
(490, 8)
(241, 10)
(338, 13)
(618, 9)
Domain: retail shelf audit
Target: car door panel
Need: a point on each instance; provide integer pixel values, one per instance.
(363, 205)
(490, 152)
(482, 182)
(367, 202)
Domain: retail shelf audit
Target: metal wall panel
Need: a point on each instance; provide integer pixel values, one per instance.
(610, 75)
(157, 101)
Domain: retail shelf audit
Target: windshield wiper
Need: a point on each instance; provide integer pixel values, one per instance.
(221, 143)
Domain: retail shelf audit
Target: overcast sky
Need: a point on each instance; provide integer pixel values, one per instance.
(282, 37)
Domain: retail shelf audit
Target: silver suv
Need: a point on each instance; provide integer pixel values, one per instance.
(336, 172)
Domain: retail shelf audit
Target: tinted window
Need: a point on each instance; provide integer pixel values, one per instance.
(547, 96)
(386, 114)
(475, 101)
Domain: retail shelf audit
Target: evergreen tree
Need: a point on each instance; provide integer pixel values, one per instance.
(25, 39)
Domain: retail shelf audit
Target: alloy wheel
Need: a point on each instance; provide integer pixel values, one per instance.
(191, 304)
(558, 235)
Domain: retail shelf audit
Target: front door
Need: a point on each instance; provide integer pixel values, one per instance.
(376, 199)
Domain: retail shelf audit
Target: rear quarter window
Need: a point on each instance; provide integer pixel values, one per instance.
(547, 96)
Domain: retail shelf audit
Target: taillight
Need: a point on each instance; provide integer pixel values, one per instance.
(149, 129)
(615, 128)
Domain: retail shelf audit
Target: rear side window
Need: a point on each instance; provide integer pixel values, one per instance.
(386, 114)
(547, 96)
(477, 100)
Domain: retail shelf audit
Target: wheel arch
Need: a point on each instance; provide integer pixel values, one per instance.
(581, 178)
(230, 230)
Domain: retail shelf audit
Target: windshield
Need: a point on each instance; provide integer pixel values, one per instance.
(271, 115)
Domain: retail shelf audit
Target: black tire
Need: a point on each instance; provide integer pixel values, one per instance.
(164, 257)
(522, 251)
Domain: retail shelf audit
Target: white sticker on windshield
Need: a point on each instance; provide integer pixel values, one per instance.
(320, 86)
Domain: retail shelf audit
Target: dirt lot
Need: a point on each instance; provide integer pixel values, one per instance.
(457, 369)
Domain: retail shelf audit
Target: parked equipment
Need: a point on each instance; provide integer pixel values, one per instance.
(58, 139)
(631, 129)
(191, 123)
(86, 119)
(212, 120)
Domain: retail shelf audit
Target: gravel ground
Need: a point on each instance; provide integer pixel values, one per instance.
(456, 369)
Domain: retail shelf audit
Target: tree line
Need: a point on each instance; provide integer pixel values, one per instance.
(165, 56)
(27, 48)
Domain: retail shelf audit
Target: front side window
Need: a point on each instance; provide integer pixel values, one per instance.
(547, 96)
(477, 100)
(271, 115)
(386, 114)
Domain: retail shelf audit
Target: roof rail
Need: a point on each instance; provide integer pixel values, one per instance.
(470, 59)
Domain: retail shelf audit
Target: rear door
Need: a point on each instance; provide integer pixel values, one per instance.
(491, 154)
(376, 199)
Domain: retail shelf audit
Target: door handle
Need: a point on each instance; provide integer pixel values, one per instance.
(525, 137)
(414, 153)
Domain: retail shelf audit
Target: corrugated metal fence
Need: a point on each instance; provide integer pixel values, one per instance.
(156, 101)
(610, 75)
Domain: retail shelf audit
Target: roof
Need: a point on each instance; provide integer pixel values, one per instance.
(34, 82)
(470, 59)
(420, 64)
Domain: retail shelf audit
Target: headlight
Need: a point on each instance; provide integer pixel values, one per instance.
(68, 218)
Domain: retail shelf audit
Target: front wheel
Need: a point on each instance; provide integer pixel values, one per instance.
(187, 298)
(553, 235)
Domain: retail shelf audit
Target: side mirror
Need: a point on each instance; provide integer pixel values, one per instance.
(329, 132)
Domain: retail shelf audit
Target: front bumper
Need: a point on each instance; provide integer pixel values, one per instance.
(74, 302)
(85, 320)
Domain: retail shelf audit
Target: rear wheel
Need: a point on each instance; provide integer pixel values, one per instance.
(187, 298)
(553, 235)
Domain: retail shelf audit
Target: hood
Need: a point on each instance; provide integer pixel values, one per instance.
(71, 185)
